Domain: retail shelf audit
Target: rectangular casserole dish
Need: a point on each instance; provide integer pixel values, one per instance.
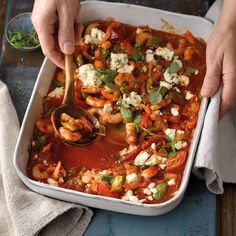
(130, 14)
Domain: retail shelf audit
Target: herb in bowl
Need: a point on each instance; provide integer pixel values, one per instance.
(19, 39)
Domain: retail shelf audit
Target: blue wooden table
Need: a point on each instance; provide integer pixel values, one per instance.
(196, 215)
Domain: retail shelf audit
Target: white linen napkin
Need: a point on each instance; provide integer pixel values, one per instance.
(22, 211)
(216, 156)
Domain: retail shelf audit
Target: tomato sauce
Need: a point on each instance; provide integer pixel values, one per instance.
(98, 155)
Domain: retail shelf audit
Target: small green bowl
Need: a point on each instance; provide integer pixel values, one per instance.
(22, 23)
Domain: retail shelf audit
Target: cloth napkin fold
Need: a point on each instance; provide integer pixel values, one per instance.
(215, 160)
(22, 211)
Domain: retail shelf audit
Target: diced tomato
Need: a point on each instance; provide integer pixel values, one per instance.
(173, 119)
(145, 118)
(191, 122)
(128, 47)
(104, 189)
(175, 164)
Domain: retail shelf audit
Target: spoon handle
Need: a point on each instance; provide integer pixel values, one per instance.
(69, 86)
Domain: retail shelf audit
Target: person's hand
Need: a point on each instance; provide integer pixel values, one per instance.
(221, 65)
(57, 25)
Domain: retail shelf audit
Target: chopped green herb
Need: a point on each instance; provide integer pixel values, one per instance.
(171, 154)
(154, 42)
(176, 96)
(155, 96)
(23, 40)
(138, 45)
(137, 55)
(127, 114)
(124, 88)
(42, 140)
(108, 178)
(80, 60)
(172, 145)
(190, 70)
(137, 121)
(160, 191)
(107, 76)
(174, 67)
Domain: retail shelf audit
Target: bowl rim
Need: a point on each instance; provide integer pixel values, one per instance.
(6, 31)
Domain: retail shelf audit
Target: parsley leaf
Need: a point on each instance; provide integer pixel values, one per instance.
(127, 114)
(174, 67)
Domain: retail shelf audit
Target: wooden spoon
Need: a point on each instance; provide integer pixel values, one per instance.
(69, 108)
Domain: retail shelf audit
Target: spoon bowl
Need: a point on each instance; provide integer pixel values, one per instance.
(76, 112)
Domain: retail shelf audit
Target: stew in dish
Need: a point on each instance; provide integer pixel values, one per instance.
(143, 86)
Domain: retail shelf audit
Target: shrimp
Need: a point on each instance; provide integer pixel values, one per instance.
(69, 135)
(189, 53)
(131, 134)
(111, 118)
(56, 173)
(95, 111)
(39, 172)
(111, 94)
(125, 78)
(81, 123)
(95, 102)
(150, 172)
(142, 37)
(45, 126)
(91, 89)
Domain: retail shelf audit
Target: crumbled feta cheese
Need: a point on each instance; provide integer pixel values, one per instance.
(189, 95)
(171, 78)
(126, 69)
(150, 56)
(153, 146)
(174, 111)
(170, 133)
(165, 84)
(147, 191)
(129, 196)
(89, 76)
(151, 161)
(118, 60)
(57, 93)
(162, 166)
(141, 158)
(171, 182)
(176, 89)
(151, 185)
(95, 37)
(179, 132)
(184, 80)
(150, 198)
(104, 172)
(163, 160)
(138, 31)
(144, 69)
(131, 178)
(165, 53)
(133, 99)
(52, 182)
(108, 108)
(153, 190)
(179, 145)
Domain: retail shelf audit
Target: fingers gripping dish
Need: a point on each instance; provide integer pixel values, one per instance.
(143, 86)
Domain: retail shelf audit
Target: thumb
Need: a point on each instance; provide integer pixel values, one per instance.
(66, 36)
(213, 75)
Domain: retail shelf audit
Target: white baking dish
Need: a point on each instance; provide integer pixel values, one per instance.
(130, 14)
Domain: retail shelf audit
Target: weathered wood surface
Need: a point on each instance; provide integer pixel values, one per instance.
(195, 215)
